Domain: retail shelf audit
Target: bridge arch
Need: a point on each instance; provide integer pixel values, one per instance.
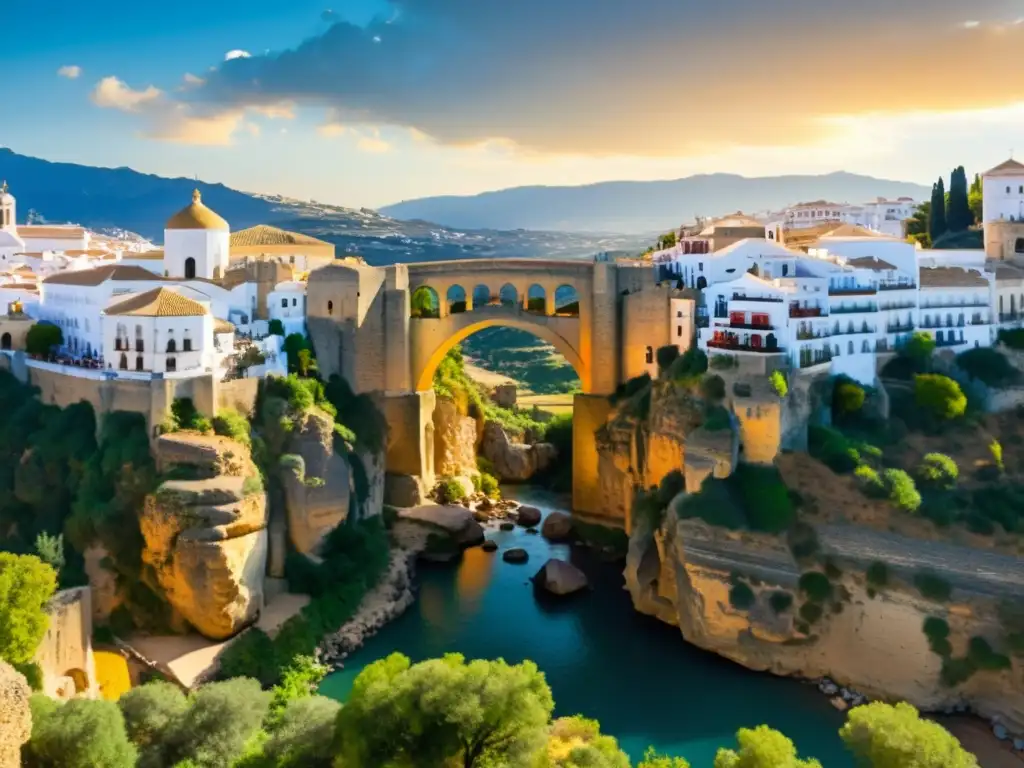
(456, 299)
(425, 303)
(508, 295)
(424, 377)
(481, 296)
(567, 300)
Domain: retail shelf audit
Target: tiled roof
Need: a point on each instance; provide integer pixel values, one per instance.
(158, 302)
(222, 326)
(93, 277)
(51, 232)
(870, 262)
(1008, 168)
(143, 256)
(951, 277)
(262, 234)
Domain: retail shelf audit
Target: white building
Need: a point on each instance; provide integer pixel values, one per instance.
(197, 242)
(159, 331)
(10, 242)
(955, 306)
(1003, 192)
(287, 303)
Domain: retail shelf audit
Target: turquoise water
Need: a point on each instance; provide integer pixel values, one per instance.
(602, 659)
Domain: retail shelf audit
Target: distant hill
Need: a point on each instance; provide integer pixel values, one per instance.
(644, 206)
(120, 198)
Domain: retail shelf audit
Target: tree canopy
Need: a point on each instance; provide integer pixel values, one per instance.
(762, 747)
(937, 211)
(84, 733)
(42, 338)
(26, 585)
(895, 736)
(423, 715)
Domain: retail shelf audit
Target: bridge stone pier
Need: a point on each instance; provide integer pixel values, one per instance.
(386, 329)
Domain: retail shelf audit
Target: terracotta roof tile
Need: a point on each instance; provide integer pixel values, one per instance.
(92, 277)
(158, 302)
(262, 234)
(951, 277)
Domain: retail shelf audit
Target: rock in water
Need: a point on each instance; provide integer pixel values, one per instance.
(528, 516)
(206, 539)
(453, 521)
(507, 526)
(514, 462)
(515, 555)
(557, 526)
(560, 578)
(489, 546)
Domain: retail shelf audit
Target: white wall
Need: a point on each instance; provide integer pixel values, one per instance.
(210, 248)
(1003, 197)
(155, 333)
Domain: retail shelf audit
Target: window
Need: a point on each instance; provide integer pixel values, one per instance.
(849, 348)
(1018, 247)
(1007, 190)
(295, 302)
(190, 268)
(284, 302)
(124, 362)
(650, 355)
(679, 313)
(785, 269)
(700, 266)
(291, 259)
(679, 331)
(171, 345)
(186, 344)
(330, 307)
(172, 365)
(138, 362)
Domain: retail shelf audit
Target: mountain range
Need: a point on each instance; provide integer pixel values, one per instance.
(124, 199)
(645, 206)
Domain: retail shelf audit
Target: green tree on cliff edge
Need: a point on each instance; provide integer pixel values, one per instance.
(762, 747)
(478, 713)
(887, 736)
(958, 209)
(26, 585)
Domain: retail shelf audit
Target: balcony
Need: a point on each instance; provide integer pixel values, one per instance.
(810, 362)
(848, 331)
(806, 312)
(852, 290)
(856, 309)
(949, 342)
(805, 335)
(939, 324)
(745, 297)
(899, 328)
(897, 305)
(1010, 317)
(952, 305)
(897, 286)
(752, 326)
(139, 346)
(735, 346)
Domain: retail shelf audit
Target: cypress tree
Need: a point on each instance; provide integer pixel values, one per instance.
(937, 213)
(958, 210)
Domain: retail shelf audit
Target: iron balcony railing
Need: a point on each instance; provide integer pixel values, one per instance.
(744, 297)
(952, 305)
(737, 347)
(897, 286)
(899, 328)
(855, 309)
(853, 290)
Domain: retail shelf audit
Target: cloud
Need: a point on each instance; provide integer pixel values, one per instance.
(237, 53)
(70, 71)
(373, 143)
(193, 80)
(658, 78)
(112, 93)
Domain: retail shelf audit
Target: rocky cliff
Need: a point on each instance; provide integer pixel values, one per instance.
(206, 533)
(870, 638)
(514, 461)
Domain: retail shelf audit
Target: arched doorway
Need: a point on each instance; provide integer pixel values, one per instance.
(456, 299)
(5, 341)
(190, 268)
(425, 303)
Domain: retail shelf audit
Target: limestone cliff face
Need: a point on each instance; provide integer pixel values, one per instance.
(514, 462)
(206, 538)
(455, 438)
(321, 485)
(682, 574)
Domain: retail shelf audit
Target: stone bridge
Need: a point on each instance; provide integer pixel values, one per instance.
(386, 329)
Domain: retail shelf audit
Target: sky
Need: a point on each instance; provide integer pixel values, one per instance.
(369, 102)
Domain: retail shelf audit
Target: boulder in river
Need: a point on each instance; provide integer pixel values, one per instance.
(454, 522)
(507, 526)
(515, 555)
(489, 545)
(528, 516)
(557, 526)
(560, 578)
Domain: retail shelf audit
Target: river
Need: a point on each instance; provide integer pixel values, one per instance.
(634, 674)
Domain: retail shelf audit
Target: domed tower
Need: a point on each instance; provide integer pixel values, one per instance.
(10, 242)
(197, 242)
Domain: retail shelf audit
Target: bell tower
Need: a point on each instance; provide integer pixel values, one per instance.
(8, 210)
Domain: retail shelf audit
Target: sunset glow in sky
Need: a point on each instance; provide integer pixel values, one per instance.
(375, 101)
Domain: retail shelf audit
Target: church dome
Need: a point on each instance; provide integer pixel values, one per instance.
(196, 216)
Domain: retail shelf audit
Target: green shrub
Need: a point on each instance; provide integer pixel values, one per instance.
(252, 484)
(811, 612)
(220, 720)
(937, 632)
(741, 596)
(713, 503)
(933, 587)
(878, 574)
(831, 447)
(870, 481)
(1012, 337)
(251, 655)
(666, 356)
(690, 365)
(847, 397)
(717, 418)
(938, 471)
(712, 387)
(983, 657)
(956, 671)
(764, 497)
(939, 396)
(996, 449)
(33, 674)
(918, 350)
(779, 383)
(150, 711)
(989, 366)
(816, 586)
(448, 491)
(902, 491)
(489, 485)
(276, 328)
(832, 569)
(802, 540)
(230, 423)
(780, 601)
(83, 733)
(26, 586)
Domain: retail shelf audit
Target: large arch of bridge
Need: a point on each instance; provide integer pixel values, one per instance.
(424, 378)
